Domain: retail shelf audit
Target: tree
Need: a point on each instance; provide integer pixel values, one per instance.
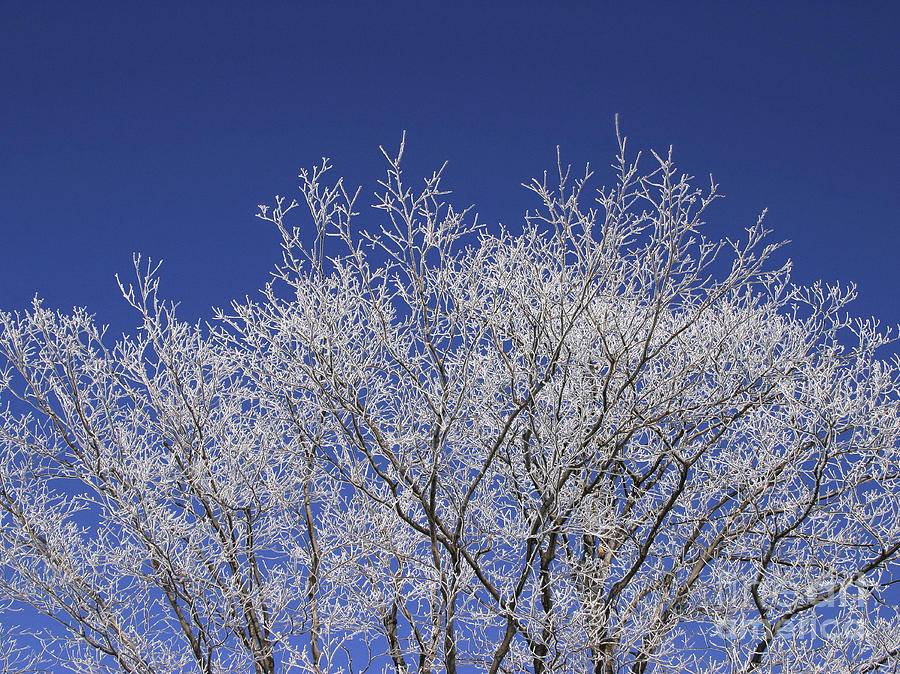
(602, 443)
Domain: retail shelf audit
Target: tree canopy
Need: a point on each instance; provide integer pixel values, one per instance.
(602, 440)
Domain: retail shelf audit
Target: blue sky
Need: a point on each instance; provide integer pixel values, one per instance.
(158, 127)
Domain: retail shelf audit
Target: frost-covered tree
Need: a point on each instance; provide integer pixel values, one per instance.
(599, 441)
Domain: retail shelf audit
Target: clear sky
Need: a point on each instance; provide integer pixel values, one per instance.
(158, 127)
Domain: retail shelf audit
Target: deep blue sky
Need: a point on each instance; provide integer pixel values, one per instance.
(158, 127)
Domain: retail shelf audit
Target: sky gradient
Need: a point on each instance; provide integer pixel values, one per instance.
(158, 127)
